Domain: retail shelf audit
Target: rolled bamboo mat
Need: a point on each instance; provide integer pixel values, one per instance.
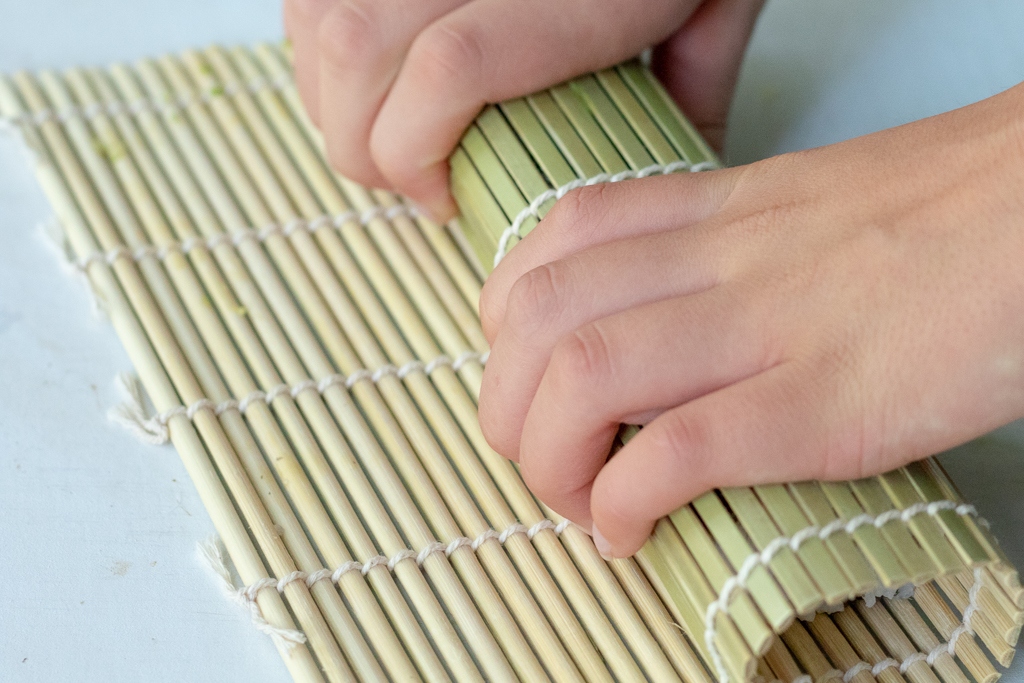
(311, 349)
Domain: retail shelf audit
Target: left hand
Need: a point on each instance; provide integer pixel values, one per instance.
(828, 314)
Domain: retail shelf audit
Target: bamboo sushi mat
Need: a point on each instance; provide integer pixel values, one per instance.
(311, 349)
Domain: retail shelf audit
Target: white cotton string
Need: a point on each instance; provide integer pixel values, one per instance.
(132, 414)
(210, 553)
(150, 428)
(854, 670)
(239, 236)
(764, 557)
(434, 547)
(533, 208)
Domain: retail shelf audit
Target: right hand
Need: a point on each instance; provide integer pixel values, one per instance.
(393, 84)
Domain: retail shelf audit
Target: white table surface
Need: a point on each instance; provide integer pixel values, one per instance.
(99, 575)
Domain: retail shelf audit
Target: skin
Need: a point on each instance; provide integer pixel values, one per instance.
(393, 85)
(829, 314)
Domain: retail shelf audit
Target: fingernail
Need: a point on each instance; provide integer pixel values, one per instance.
(423, 211)
(603, 546)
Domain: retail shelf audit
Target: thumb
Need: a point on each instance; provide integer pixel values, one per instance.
(700, 63)
(775, 426)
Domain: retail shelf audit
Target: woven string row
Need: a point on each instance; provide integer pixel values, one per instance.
(533, 209)
(236, 238)
(140, 106)
(764, 557)
(247, 595)
(948, 647)
(152, 429)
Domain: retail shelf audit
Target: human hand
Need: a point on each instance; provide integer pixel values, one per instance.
(828, 314)
(393, 85)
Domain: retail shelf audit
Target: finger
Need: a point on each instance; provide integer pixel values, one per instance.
(553, 300)
(642, 361)
(361, 47)
(601, 214)
(700, 63)
(301, 19)
(488, 51)
(776, 426)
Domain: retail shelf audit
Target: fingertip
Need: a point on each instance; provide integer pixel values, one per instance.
(614, 515)
(604, 548)
(426, 186)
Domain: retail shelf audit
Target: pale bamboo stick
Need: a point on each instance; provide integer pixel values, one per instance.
(838, 649)
(441, 240)
(801, 590)
(749, 621)
(815, 505)
(508, 481)
(800, 643)
(382, 635)
(420, 485)
(324, 645)
(781, 661)
(215, 498)
(925, 528)
(658, 620)
(925, 639)
(835, 585)
(944, 620)
(981, 620)
(729, 645)
(761, 584)
(533, 571)
(254, 308)
(440, 421)
(637, 635)
(867, 647)
(897, 643)
(341, 406)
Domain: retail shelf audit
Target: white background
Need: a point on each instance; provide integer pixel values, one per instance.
(98, 576)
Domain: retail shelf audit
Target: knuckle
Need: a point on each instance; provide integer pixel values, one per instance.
(583, 361)
(579, 210)
(684, 439)
(536, 300)
(347, 35)
(447, 51)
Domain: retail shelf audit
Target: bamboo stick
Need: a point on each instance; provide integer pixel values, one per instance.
(781, 661)
(509, 482)
(305, 300)
(254, 309)
(486, 494)
(811, 658)
(924, 527)
(815, 505)
(188, 287)
(297, 658)
(395, 394)
(898, 644)
(658, 620)
(838, 649)
(925, 639)
(869, 650)
(981, 619)
(790, 520)
(313, 459)
(342, 408)
(382, 635)
(945, 621)
(757, 634)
